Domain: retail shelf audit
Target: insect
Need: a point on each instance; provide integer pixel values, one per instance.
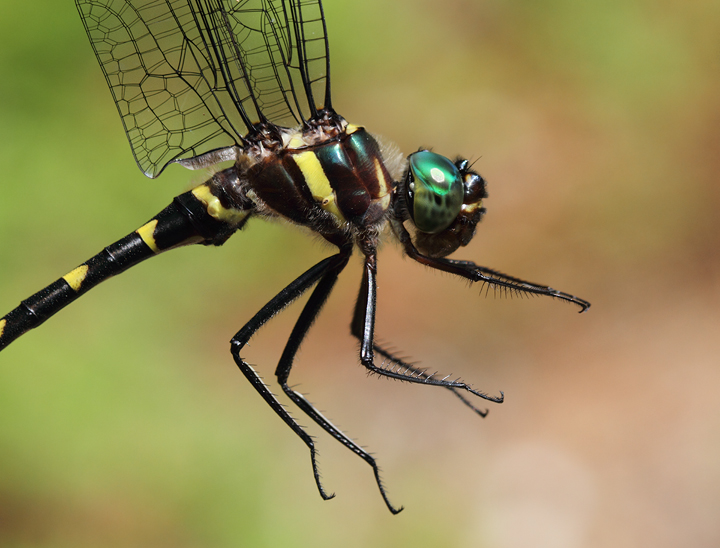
(243, 87)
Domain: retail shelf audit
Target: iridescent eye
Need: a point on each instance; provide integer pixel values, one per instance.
(434, 191)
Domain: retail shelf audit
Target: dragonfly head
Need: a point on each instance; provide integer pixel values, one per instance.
(443, 199)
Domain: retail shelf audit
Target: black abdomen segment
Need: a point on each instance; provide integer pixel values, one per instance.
(196, 216)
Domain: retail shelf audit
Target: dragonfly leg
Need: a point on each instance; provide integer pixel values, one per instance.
(363, 327)
(414, 373)
(305, 320)
(276, 304)
(475, 273)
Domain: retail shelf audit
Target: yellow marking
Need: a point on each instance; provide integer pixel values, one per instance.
(384, 194)
(351, 128)
(252, 195)
(2, 326)
(381, 178)
(76, 277)
(318, 183)
(147, 233)
(469, 208)
(215, 209)
(296, 141)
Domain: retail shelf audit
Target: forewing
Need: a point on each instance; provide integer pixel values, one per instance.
(191, 76)
(283, 47)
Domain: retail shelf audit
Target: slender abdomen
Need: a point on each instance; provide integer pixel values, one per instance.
(197, 216)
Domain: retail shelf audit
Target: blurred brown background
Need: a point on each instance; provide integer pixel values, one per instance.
(124, 421)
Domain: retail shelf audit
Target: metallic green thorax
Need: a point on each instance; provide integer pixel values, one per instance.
(435, 191)
(340, 182)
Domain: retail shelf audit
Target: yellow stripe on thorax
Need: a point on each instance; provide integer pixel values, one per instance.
(470, 208)
(215, 208)
(318, 182)
(296, 141)
(2, 326)
(76, 277)
(147, 233)
(384, 195)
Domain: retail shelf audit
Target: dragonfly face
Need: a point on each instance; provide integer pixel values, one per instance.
(443, 201)
(203, 82)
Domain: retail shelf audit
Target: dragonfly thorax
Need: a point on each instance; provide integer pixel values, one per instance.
(338, 183)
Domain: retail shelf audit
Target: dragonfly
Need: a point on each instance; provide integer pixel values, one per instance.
(241, 88)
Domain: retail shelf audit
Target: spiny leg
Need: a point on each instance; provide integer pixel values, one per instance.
(475, 273)
(403, 367)
(296, 288)
(363, 327)
(312, 308)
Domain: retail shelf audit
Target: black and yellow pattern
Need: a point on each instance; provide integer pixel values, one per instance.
(342, 183)
(187, 220)
(210, 82)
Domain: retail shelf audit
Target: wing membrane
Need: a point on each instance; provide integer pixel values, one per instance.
(191, 76)
(284, 49)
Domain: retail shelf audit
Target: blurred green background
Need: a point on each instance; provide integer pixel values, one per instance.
(125, 422)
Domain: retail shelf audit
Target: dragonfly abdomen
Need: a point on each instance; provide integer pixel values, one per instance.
(197, 216)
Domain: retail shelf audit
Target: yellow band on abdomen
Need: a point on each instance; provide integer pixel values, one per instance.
(147, 233)
(215, 208)
(76, 277)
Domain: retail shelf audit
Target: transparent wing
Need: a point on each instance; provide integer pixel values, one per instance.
(192, 76)
(283, 47)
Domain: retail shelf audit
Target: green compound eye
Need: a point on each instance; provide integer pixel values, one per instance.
(434, 191)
